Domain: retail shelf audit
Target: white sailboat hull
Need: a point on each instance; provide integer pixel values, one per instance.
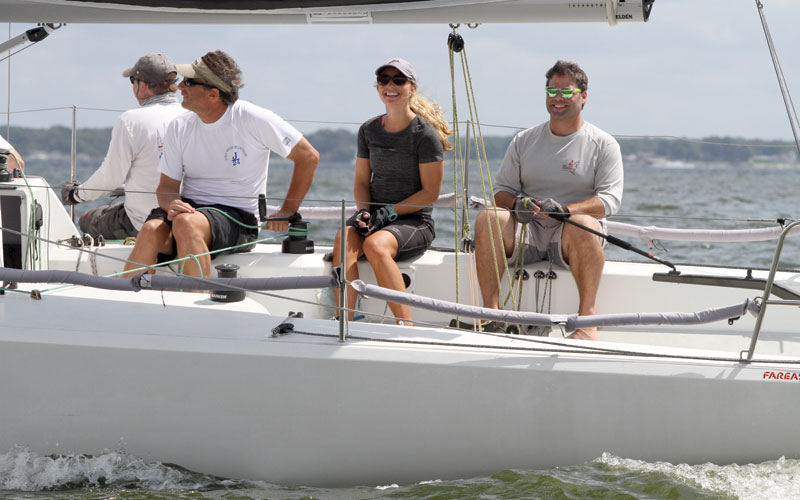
(230, 400)
(177, 378)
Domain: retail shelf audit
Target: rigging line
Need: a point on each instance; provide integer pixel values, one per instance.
(38, 110)
(483, 169)
(683, 217)
(164, 266)
(512, 127)
(32, 251)
(481, 150)
(325, 122)
(458, 162)
(17, 52)
(80, 108)
(787, 98)
(617, 216)
(271, 198)
(98, 254)
(8, 102)
(568, 349)
(167, 270)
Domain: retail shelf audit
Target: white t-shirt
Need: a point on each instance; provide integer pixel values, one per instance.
(226, 162)
(567, 169)
(137, 142)
(4, 143)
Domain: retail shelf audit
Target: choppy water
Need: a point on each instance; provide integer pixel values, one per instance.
(703, 197)
(116, 475)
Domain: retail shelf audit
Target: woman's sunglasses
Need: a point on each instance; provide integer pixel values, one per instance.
(399, 80)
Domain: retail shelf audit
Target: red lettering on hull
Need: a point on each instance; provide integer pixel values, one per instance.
(770, 375)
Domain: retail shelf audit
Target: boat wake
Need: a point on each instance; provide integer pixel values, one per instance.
(765, 481)
(23, 470)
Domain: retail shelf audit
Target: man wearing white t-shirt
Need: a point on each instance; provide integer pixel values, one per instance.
(214, 167)
(566, 167)
(137, 142)
(14, 159)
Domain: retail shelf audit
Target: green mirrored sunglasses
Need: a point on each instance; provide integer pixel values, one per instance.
(565, 93)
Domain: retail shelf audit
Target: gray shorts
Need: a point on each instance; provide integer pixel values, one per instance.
(542, 240)
(110, 221)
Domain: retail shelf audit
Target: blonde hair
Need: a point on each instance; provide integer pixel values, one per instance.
(432, 113)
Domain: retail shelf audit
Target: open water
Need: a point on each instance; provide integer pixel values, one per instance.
(703, 197)
(710, 196)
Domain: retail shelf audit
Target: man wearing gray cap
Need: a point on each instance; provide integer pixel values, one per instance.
(137, 142)
(215, 166)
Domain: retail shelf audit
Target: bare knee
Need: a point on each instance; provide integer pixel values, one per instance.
(494, 226)
(186, 226)
(377, 249)
(486, 217)
(153, 227)
(154, 233)
(580, 238)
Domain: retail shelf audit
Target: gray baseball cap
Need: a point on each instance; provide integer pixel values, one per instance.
(152, 68)
(400, 65)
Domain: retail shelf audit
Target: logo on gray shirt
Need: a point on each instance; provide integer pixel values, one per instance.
(571, 167)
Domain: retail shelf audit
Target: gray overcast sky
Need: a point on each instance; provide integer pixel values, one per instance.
(698, 68)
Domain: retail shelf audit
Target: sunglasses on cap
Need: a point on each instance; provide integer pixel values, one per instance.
(399, 80)
(191, 82)
(565, 93)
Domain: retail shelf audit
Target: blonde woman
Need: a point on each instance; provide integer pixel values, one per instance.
(399, 169)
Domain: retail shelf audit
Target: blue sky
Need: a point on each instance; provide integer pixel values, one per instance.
(698, 68)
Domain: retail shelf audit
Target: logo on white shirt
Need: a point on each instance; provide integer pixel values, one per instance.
(234, 155)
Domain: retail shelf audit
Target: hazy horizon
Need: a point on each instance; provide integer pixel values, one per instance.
(696, 69)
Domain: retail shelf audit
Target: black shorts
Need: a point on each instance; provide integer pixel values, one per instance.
(414, 235)
(110, 221)
(225, 233)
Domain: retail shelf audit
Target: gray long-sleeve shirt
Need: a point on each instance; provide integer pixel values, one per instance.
(568, 169)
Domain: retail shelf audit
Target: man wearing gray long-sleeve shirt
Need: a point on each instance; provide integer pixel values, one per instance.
(564, 166)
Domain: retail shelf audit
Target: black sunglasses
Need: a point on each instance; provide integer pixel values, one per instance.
(191, 82)
(399, 80)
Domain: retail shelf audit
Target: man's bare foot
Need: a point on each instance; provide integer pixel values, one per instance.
(585, 334)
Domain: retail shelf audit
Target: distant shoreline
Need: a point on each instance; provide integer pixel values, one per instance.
(54, 144)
